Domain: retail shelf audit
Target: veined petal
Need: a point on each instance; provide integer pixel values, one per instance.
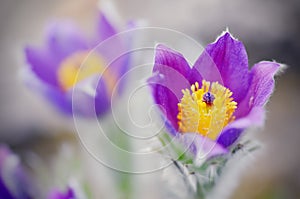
(262, 86)
(171, 72)
(233, 131)
(205, 68)
(230, 57)
(165, 56)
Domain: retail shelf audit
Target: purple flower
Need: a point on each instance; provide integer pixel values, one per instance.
(14, 183)
(210, 104)
(56, 194)
(55, 69)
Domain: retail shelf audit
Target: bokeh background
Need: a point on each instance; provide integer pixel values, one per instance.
(269, 29)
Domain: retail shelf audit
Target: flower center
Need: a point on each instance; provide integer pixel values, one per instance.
(80, 66)
(207, 110)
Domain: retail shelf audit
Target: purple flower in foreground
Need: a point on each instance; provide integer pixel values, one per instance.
(66, 61)
(14, 183)
(210, 104)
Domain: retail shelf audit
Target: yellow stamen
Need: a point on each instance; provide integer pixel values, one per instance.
(82, 65)
(208, 119)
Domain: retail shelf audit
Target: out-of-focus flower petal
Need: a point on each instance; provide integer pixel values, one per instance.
(230, 57)
(105, 28)
(43, 64)
(13, 181)
(55, 67)
(49, 92)
(93, 94)
(56, 194)
(4, 191)
(116, 51)
(262, 86)
(171, 72)
(63, 39)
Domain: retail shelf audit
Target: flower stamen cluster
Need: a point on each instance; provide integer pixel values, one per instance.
(207, 110)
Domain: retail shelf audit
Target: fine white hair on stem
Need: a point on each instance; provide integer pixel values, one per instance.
(232, 173)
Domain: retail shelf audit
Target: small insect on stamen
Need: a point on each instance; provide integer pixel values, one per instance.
(237, 148)
(208, 98)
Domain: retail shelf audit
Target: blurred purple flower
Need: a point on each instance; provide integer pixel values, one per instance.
(55, 68)
(14, 183)
(208, 106)
(56, 194)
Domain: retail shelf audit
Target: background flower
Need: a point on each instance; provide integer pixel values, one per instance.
(19, 182)
(14, 182)
(67, 61)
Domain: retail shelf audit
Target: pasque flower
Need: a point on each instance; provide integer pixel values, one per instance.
(14, 182)
(66, 61)
(210, 104)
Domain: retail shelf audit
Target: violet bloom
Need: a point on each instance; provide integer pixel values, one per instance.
(211, 103)
(14, 183)
(56, 194)
(66, 61)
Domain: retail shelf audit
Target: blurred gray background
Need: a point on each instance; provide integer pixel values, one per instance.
(269, 29)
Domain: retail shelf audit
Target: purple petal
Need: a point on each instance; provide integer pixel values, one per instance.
(199, 146)
(170, 128)
(262, 86)
(63, 39)
(4, 191)
(102, 98)
(56, 194)
(115, 52)
(51, 93)
(42, 64)
(115, 49)
(90, 97)
(123, 62)
(202, 147)
(233, 131)
(229, 136)
(171, 72)
(230, 57)
(13, 181)
(85, 102)
(105, 28)
(205, 68)
(165, 56)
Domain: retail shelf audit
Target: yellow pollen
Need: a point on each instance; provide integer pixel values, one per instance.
(207, 119)
(80, 66)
